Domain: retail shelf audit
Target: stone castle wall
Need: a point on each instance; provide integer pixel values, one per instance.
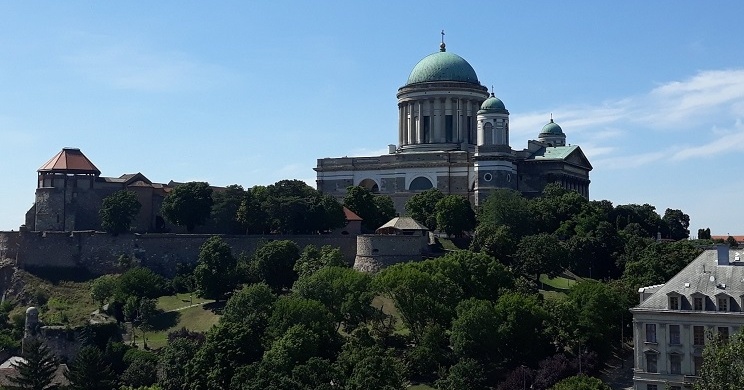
(375, 252)
(99, 252)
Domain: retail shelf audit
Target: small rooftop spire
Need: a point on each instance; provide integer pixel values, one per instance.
(442, 46)
(492, 95)
(551, 117)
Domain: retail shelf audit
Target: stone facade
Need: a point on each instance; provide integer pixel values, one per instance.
(454, 137)
(375, 252)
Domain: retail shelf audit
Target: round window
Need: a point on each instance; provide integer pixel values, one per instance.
(488, 177)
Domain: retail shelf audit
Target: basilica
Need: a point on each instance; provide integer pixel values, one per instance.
(454, 136)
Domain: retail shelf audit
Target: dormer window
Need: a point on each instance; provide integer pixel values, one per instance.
(674, 302)
(697, 303)
(723, 303)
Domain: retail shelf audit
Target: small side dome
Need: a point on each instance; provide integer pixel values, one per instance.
(32, 310)
(493, 105)
(551, 128)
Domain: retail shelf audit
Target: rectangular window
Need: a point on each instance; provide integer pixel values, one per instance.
(723, 333)
(449, 128)
(651, 360)
(723, 304)
(698, 363)
(674, 338)
(675, 363)
(673, 303)
(650, 333)
(471, 131)
(652, 387)
(698, 303)
(698, 335)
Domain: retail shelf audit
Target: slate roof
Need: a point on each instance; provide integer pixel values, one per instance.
(403, 223)
(70, 160)
(554, 153)
(702, 276)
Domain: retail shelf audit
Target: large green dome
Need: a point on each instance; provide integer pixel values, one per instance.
(551, 128)
(442, 66)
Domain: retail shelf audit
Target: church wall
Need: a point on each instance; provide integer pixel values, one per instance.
(99, 252)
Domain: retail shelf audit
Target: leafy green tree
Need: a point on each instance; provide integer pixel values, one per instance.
(173, 360)
(676, 224)
(540, 254)
(274, 263)
(224, 215)
(252, 305)
(90, 371)
(454, 215)
(291, 310)
(251, 215)
(118, 210)
(374, 210)
(141, 372)
(313, 259)
(474, 332)
(188, 204)
(36, 371)
(214, 273)
(510, 208)
(465, 374)
(723, 365)
(421, 298)
(495, 241)
(555, 206)
(228, 346)
(581, 382)
(365, 366)
(326, 213)
(431, 352)
(422, 207)
(103, 288)
(648, 221)
(704, 234)
(139, 282)
(731, 241)
(345, 292)
(657, 262)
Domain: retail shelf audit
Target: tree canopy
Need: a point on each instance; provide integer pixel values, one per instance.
(188, 204)
(118, 210)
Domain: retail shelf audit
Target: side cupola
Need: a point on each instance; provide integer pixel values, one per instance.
(552, 134)
(493, 123)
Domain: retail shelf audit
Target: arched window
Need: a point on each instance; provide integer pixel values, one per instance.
(488, 134)
(370, 184)
(420, 184)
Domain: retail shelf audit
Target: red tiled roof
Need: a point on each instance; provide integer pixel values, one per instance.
(351, 216)
(70, 160)
(737, 238)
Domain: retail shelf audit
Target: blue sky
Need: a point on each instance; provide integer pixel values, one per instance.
(253, 92)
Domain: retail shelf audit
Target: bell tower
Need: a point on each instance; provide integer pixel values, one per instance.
(494, 158)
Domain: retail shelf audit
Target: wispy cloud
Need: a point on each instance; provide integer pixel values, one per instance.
(701, 108)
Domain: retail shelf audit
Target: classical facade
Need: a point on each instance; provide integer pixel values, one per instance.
(673, 320)
(453, 135)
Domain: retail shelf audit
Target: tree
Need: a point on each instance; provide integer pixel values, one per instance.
(465, 374)
(676, 224)
(313, 259)
(214, 273)
(704, 234)
(581, 382)
(507, 207)
(274, 263)
(723, 365)
(188, 204)
(142, 369)
(731, 241)
(345, 292)
(90, 371)
(36, 371)
(421, 207)
(140, 282)
(103, 288)
(454, 215)
(252, 305)
(495, 241)
(540, 254)
(374, 210)
(118, 210)
(224, 216)
(291, 310)
(173, 361)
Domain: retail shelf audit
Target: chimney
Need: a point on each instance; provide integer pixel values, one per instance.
(723, 254)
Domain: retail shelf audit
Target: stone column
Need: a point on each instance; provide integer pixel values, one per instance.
(401, 137)
(420, 128)
(409, 133)
(638, 343)
(442, 124)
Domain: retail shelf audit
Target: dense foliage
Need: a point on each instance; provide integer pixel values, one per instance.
(117, 211)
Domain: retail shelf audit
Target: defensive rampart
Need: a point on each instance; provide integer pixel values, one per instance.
(99, 252)
(375, 252)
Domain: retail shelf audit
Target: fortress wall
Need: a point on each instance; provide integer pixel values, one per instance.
(375, 252)
(99, 252)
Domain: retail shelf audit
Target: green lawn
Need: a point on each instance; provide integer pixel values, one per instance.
(171, 302)
(558, 282)
(60, 302)
(177, 314)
